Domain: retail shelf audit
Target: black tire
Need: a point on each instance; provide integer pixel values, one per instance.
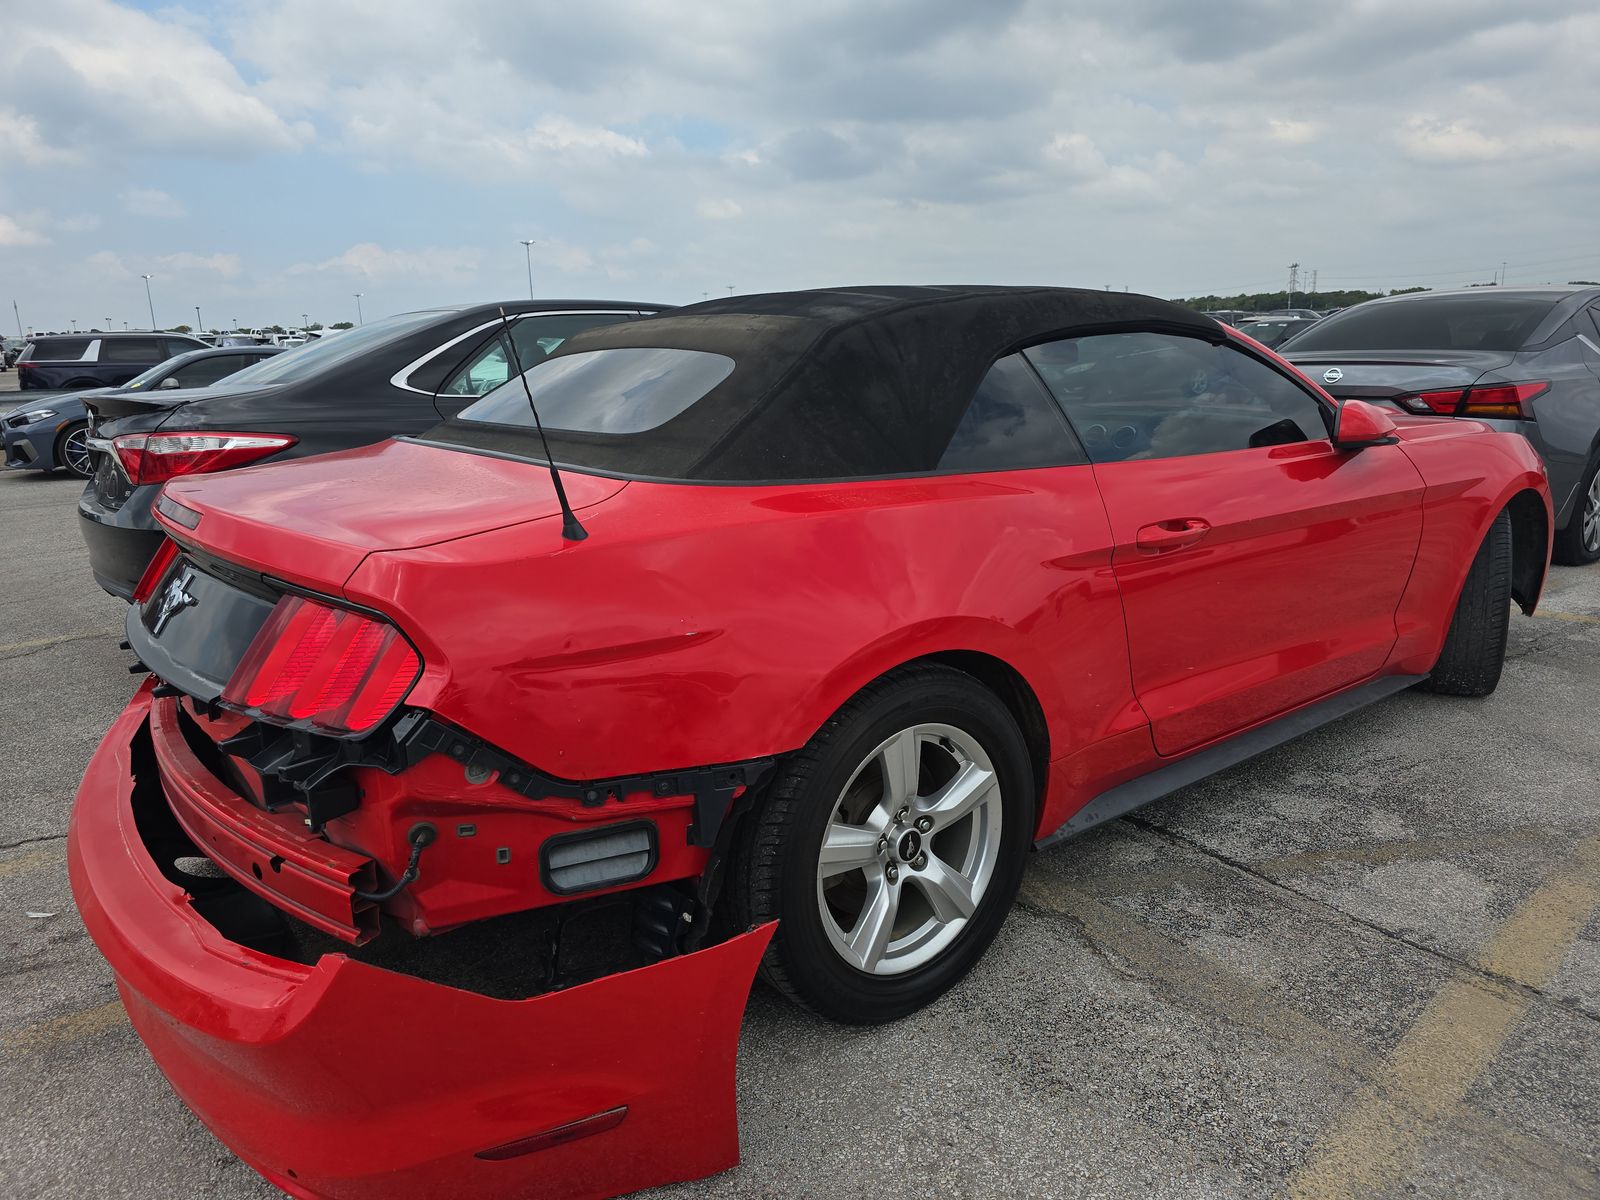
(775, 874)
(63, 459)
(1569, 548)
(1475, 648)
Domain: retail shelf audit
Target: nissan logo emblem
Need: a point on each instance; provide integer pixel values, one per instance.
(1332, 375)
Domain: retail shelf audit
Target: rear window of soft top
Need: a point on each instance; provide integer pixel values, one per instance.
(618, 391)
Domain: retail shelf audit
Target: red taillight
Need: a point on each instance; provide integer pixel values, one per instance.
(156, 457)
(327, 668)
(1443, 403)
(1504, 400)
(165, 553)
(1496, 400)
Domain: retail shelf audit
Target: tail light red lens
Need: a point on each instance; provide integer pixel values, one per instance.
(1443, 403)
(165, 553)
(157, 457)
(323, 668)
(1511, 400)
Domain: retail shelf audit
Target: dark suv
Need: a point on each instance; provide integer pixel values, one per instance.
(63, 362)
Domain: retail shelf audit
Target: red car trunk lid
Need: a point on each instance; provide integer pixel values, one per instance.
(313, 520)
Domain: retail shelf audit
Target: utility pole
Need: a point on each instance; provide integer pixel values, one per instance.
(527, 251)
(150, 302)
(1313, 283)
(1502, 274)
(1294, 283)
(360, 320)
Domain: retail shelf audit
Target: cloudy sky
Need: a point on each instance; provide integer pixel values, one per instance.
(270, 158)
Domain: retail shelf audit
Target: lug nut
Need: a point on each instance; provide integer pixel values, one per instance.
(919, 862)
(924, 824)
(894, 873)
(883, 844)
(900, 817)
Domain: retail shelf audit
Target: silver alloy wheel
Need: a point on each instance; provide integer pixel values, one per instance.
(75, 450)
(910, 849)
(1591, 516)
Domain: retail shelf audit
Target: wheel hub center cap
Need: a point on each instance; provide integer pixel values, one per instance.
(909, 845)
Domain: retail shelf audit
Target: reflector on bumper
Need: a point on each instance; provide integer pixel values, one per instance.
(345, 1081)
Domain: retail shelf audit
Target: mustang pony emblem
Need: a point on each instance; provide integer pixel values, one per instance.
(175, 597)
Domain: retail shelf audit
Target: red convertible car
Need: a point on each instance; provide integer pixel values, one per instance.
(465, 799)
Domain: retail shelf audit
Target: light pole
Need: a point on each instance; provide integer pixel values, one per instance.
(527, 250)
(199, 325)
(149, 301)
(17, 312)
(730, 289)
(74, 324)
(304, 321)
(360, 320)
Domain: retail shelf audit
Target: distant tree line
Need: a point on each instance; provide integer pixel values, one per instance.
(1271, 301)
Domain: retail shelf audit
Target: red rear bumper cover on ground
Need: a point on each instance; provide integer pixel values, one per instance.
(342, 1080)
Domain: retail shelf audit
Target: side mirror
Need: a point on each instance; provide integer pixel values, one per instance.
(171, 381)
(1358, 424)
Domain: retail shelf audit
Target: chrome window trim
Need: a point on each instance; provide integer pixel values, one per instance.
(399, 377)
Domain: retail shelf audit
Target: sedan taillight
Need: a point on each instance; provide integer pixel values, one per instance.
(324, 668)
(157, 457)
(1506, 400)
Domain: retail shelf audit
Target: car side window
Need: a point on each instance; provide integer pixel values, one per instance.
(535, 337)
(131, 350)
(1010, 424)
(207, 370)
(1156, 395)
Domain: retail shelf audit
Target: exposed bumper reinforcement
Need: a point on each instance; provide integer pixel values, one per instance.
(347, 1082)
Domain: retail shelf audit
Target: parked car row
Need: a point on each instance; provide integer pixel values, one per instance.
(660, 647)
(54, 434)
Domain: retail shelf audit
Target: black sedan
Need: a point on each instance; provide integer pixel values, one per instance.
(54, 433)
(399, 375)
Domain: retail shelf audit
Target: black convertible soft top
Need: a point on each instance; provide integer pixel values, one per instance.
(855, 382)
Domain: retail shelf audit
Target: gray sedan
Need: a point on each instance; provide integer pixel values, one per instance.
(1525, 360)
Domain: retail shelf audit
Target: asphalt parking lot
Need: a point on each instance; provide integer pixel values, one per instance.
(1366, 964)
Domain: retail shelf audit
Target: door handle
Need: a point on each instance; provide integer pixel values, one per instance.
(1166, 536)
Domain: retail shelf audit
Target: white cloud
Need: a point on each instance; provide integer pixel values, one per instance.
(1077, 155)
(153, 202)
(13, 233)
(719, 210)
(1449, 141)
(109, 264)
(368, 260)
(20, 141)
(1293, 133)
(561, 134)
(91, 76)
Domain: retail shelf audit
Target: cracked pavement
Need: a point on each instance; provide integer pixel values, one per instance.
(1364, 964)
